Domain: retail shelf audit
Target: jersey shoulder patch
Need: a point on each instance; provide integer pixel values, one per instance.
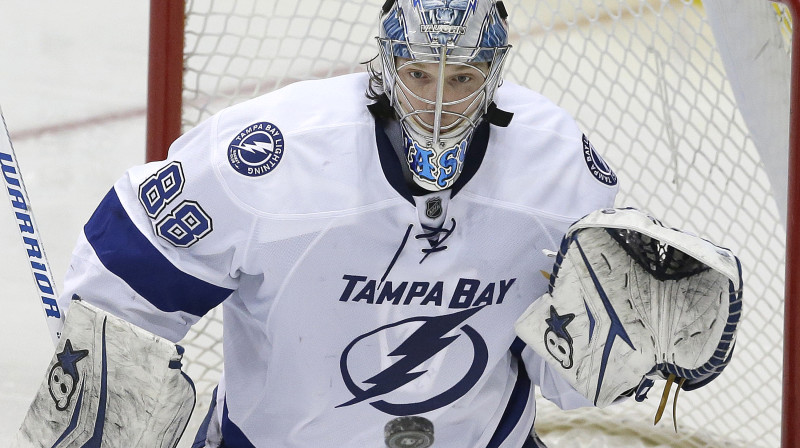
(597, 166)
(256, 150)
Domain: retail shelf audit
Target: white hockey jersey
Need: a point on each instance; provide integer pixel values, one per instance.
(347, 300)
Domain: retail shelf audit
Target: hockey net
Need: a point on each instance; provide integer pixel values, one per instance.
(655, 84)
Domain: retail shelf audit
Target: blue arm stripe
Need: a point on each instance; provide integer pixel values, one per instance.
(232, 436)
(517, 402)
(127, 253)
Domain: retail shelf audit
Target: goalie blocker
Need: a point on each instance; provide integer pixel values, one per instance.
(631, 301)
(110, 384)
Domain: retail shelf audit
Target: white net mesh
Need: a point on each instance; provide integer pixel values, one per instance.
(646, 82)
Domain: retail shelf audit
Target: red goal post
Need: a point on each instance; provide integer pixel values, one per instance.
(168, 68)
(165, 76)
(790, 436)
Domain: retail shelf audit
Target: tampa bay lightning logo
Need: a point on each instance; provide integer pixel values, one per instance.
(597, 166)
(256, 150)
(409, 361)
(63, 378)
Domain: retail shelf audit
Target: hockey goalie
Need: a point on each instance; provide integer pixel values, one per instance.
(631, 301)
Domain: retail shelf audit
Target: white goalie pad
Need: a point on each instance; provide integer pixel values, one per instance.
(110, 384)
(630, 299)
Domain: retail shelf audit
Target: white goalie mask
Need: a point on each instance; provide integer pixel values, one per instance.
(441, 63)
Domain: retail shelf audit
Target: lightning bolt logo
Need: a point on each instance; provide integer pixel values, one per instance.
(428, 340)
(257, 147)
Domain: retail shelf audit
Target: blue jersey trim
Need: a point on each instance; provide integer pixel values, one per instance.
(517, 402)
(128, 254)
(202, 431)
(232, 436)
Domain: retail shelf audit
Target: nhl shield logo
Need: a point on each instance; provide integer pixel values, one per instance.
(256, 150)
(433, 207)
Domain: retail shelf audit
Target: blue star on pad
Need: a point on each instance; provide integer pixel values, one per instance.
(558, 323)
(68, 358)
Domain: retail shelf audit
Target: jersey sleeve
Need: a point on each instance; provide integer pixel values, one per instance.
(551, 384)
(161, 249)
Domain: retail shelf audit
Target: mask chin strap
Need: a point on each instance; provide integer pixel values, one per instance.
(387, 6)
(437, 119)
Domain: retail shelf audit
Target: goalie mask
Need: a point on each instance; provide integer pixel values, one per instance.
(441, 63)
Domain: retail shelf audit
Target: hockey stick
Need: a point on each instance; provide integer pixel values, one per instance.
(29, 232)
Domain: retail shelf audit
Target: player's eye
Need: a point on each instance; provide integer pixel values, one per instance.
(463, 79)
(416, 74)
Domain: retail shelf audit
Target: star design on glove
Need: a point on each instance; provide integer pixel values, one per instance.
(68, 358)
(558, 323)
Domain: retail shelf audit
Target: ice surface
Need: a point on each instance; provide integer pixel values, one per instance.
(73, 92)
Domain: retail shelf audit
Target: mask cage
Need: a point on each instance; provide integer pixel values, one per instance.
(440, 53)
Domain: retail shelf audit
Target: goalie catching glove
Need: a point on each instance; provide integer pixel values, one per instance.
(110, 384)
(630, 301)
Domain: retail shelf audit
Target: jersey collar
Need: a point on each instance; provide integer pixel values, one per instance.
(382, 110)
(393, 169)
